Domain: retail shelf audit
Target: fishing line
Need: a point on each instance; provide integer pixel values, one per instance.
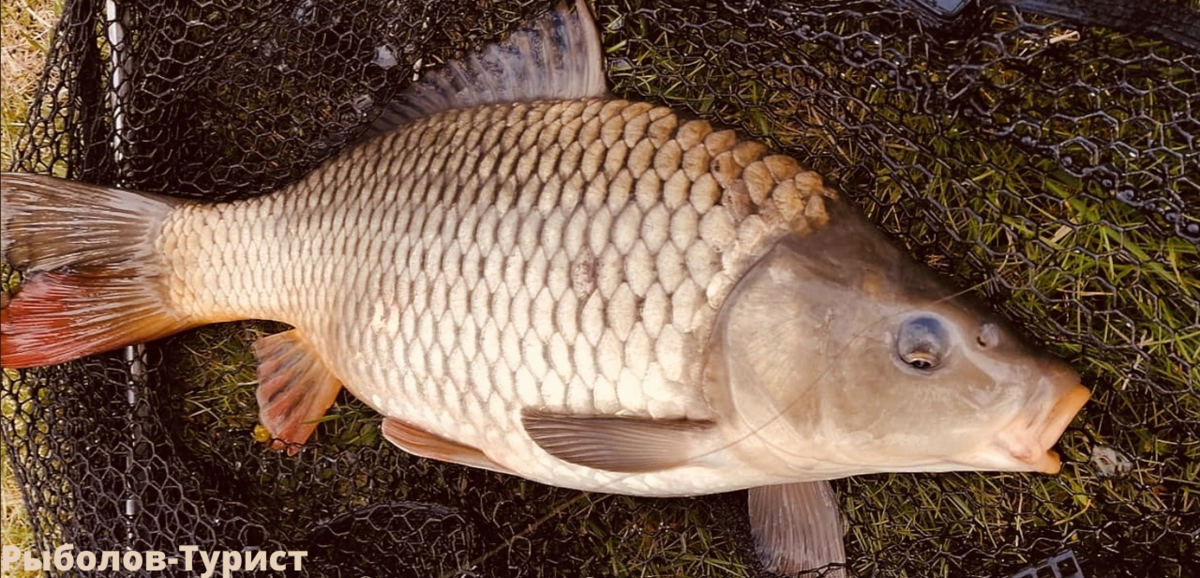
(564, 504)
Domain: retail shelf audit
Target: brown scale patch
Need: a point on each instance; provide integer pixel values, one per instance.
(720, 141)
(759, 181)
(696, 161)
(747, 152)
(815, 211)
(662, 126)
(583, 274)
(737, 198)
(724, 168)
(781, 166)
(789, 201)
(641, 156)
(692, 133)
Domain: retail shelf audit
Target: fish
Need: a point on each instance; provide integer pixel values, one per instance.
(523, 273)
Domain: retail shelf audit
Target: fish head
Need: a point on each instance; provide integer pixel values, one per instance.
(847, 357)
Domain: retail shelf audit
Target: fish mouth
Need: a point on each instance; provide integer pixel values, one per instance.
(1029, 444)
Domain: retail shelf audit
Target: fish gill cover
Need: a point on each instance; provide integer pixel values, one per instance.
(1050, 168)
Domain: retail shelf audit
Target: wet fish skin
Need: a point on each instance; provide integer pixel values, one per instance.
(569, 256)
(534, 278)
(989, 402)
(574, 258)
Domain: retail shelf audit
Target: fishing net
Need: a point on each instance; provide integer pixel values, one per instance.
(1050, 168)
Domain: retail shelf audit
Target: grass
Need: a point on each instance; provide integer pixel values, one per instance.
(1088, 276)
(14, 523)
(25, 32)
(1082, 272)
(24, 42)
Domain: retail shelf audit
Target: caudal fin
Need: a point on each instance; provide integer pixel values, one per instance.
(93, 280)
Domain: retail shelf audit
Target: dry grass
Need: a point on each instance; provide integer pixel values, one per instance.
(25, 32)
(14, 524)
(1002, 508)
(1071, 264)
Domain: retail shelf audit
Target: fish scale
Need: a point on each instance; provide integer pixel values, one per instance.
(525, 276)
(500, 280)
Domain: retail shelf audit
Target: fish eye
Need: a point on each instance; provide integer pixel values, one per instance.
(922, 342)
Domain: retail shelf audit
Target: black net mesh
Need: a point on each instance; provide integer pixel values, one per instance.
(1051, 168)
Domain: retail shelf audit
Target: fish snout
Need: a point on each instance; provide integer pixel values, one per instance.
(1028, 441)
(1059, 418)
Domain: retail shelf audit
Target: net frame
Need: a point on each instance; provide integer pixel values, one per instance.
(875, 116)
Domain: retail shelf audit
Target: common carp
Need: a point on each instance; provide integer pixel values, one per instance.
(525, 274)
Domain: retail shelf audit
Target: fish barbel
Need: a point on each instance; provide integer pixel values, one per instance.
(524, 274)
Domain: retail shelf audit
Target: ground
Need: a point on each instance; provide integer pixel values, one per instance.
(25, 32)
(1052, 246)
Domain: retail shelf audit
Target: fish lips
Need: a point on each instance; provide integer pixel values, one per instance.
(1024, 446)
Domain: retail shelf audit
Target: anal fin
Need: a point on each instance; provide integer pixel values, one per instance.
(295, 388)
(419, 442)
(798, 527)
(616, 443)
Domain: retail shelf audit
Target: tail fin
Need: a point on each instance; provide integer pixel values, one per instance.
(93, 280)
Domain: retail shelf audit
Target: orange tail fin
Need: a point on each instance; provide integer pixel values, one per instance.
(93, 278)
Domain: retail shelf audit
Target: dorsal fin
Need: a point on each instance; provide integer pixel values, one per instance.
(556, 57)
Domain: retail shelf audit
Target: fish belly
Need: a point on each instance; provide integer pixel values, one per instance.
(568, 256)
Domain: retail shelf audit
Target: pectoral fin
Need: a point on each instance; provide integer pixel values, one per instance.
(797, 527)
(616, 444)
(419, 442)
(295, 388)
